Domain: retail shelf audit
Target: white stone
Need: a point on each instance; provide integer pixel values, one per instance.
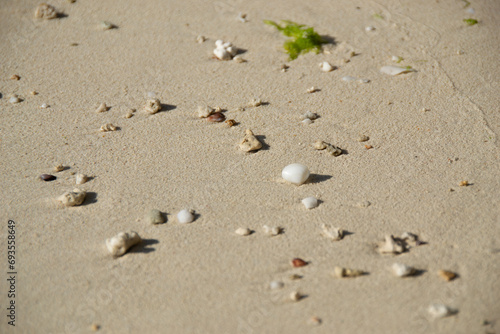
(310, 202)
(333, 233)
(14, 99)
(271, 231)
(80, 178)
(243, 231)
(72, 198)
(274, 285)
(395, 70)
(402, 270)
(205, 111)
(391, 246)
(120, 243)
(295, 173)
(326, 67)
(185, 216)
(439, 310)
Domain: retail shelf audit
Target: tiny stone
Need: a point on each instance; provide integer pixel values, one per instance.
(81, 178)
(271, 231)
(297, 263)
(34, 92)
(363, 138)
(274, 285)
(391, 246)
(250, 142)
(333, 150)
(94, 327)
(129, 114)
(200, 39)
(307, 121)
(216, 117)
(464, 183)
(108, 127)
(255, 103)
(230, 123)
(333, 233)
(185, 216)
(239, 59)
(345, 272)
(205, 111)
(312, 90)
(439, 311)
(402, 270)
(310, 115)
(152, 106)
(58, 168)
(315, 321)
(319, 145)
(370, 28)
(155, 217)
(424, 109)
(295, 277)
(310, 202)
(15, 77)
(14, 99)
(72, 198)
(47, 177)
(105, 25)
(447, 275)
(44, 106)
(120, 243)
(243, 231)
(284, 67)
(365, 81)
(368, 147)
(363, 204)
(102, 108)
(295, 296)
(326, 67)
(242, 17)
(45, 11)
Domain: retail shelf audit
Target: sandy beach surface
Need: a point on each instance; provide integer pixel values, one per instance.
(429, 130)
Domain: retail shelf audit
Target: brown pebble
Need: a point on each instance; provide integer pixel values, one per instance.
(297, 262)
(15, 77)
(464, 183)
(95, 327)
(33, 92)
(47, 177)
(231, 122)
(447, 275)
(368, 147)
(216, 117)
(363, 138)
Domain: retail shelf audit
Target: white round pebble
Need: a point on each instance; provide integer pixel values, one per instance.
(310, 202)
(185, 216)
(274, 285)
(439, 310)
(295, 173)
(243, 231)
(402, 270)
(326, 67)
(370, 28)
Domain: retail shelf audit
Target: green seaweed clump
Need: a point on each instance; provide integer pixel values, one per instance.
(303, 38)
(470, 22)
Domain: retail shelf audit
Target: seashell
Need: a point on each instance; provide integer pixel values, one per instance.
(346, 272)
(391, 246)
(80, 178)
(319, 145)
(297, 263)
(296, 296)
(447, 275)
(105, 25)
(402, 270)
(395, 70)
(250, 142)
(102, 108)
(239, 59)
(152, 106)
(295, 173)
(72, 198)
(271, 231)
(185, 216)
(14, 99)
(326, 67)
(274, 285)
(312, 90)
(45, 11)
(216, 117)
(120, 243)
(310, 202)
(333, 233)
(307, 121)
(310, 115)
(440, 311)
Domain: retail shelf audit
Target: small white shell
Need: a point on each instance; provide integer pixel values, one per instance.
(102, 108)
(439, 310)
(295, 173)
(185, 216)
(395, 70)
(271, 231)
(370, 28)
(243, 231)
(310, 202)
(348, 78)
(307, 121)
(402, 270)
(219, 43)
(274, 285)
(108, 127)
(326, 67)
(14, 99)
(44, 106)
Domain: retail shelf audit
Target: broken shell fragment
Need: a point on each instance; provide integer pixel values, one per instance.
(152, 106)
(72, 198)
(295, 173)
(402, 270)
(310, 115)
(230, 123)
(250, 142)
(298, 262)
(332, 233)
(326, 67)
(108, 127)
(200, 39)
(296, 296)
(312, 90)
(447, 275)
(120, 243)
(319, 145)
(155, 217)
(216, 117)
(391, 246)
(102, 108)
(440, 311)
(271, 231)
(395, 70)
(310, 202)
(185, 216)
(255, 102)
(341, 272)
(80, 178)
(363, 138)
(243, 231)
(45, 11)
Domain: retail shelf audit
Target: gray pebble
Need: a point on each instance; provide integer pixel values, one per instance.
(155, 217)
